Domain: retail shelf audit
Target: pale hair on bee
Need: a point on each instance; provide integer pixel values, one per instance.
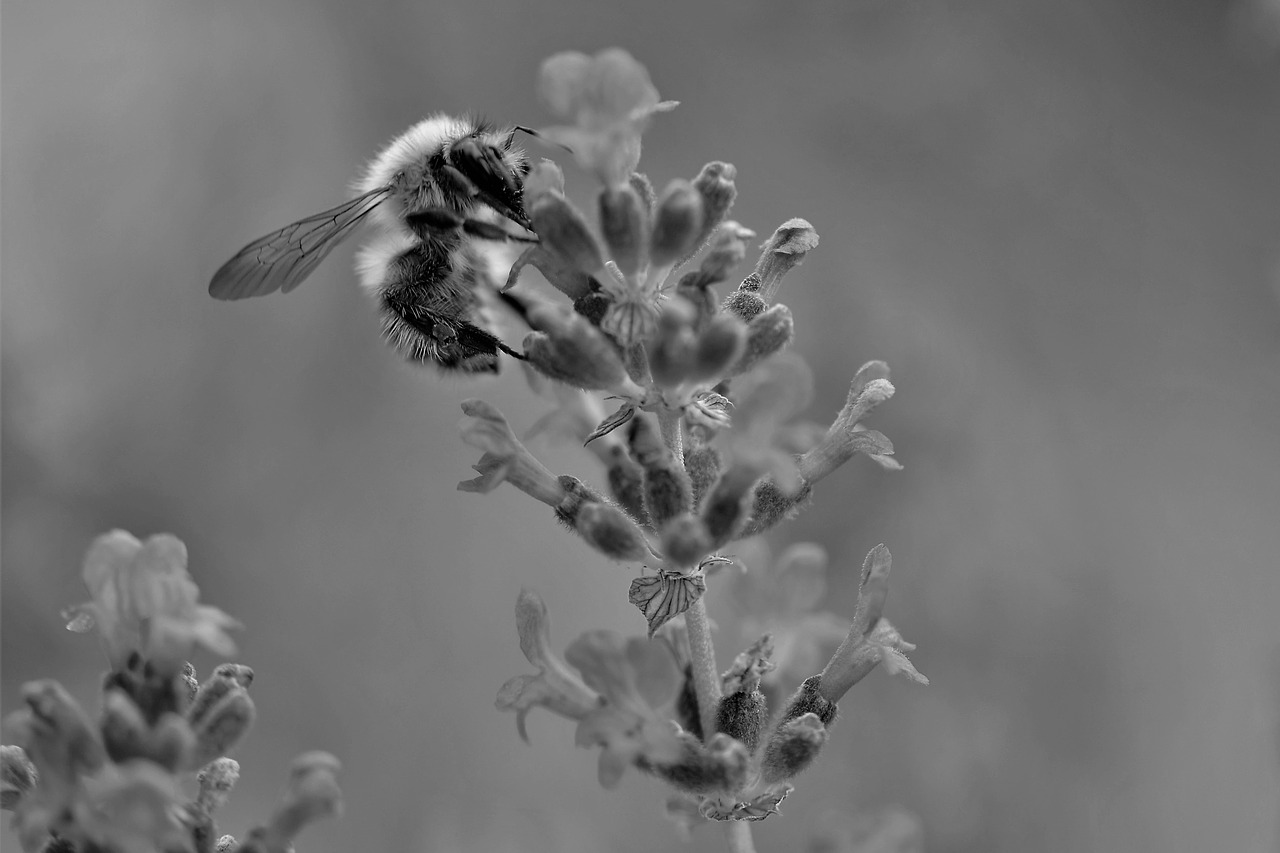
(437, 195)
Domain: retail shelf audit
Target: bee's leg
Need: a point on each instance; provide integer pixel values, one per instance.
(511, 137)
(440, 223)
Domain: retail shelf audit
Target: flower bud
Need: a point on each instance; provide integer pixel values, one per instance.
(225, 677)
(725, 509)
(626, 483)
(742, 716)
(793, 747)
(787, 248)
(673, 350)
(728, 249)
(721, 343)
(226, 844)
(313, 794)
(222, 725)
(624, 220)
(703, 466)
(767, 334)
(55, 734)
(561, 273)
(568, 348)
(667, 490)
(808, 699)
(125, 733)
(543, 178)
(677, 224)
(611, 532)
(685, 540)
(172, 742)
(721, 765)
(715, 185)
(563, 230)
(772, 504)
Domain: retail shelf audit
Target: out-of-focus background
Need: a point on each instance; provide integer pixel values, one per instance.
(1058, 222)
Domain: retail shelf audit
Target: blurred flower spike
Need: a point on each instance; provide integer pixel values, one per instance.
(607, 100)
(145, 602)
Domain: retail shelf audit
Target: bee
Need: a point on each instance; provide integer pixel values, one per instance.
(435, 195)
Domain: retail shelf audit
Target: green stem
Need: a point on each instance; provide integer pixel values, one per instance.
(706, 679)
(739, 834)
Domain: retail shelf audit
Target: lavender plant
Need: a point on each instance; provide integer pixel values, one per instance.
(700, 449)
(116, 785)
(688, 402)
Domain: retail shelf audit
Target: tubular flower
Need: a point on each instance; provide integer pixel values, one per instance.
(505, 459)
(608, 100)
(144, 601)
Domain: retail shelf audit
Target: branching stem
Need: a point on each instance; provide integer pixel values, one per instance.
(706, 678)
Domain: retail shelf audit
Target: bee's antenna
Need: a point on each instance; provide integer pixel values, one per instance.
(537, 135)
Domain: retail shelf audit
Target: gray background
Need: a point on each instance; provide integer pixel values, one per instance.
(1058, 222)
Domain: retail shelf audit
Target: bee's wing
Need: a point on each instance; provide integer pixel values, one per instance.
(282, 259)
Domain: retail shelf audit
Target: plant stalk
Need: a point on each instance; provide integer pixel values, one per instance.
(706, 678)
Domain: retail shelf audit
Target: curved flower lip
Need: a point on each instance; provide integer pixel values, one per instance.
(556, 686)
(505, 459)
(608, 99)
(145, 601)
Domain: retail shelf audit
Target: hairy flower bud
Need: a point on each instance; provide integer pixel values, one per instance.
(55, 734)
(611, 532)
(715, 185)
(223, 726)
(721, 765)
(624, 220)
(721, 343)
(567, 347)
(626, 483)
(772, 504)
(605, 527)
(724, 510)
(563, 230)
(742, 716)
(703, 466)
(677, 224)
(685, 540)
(674, 348)
(768, 333)
(667, 490)
(792, 747)
(312, 794)
(728, 248)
